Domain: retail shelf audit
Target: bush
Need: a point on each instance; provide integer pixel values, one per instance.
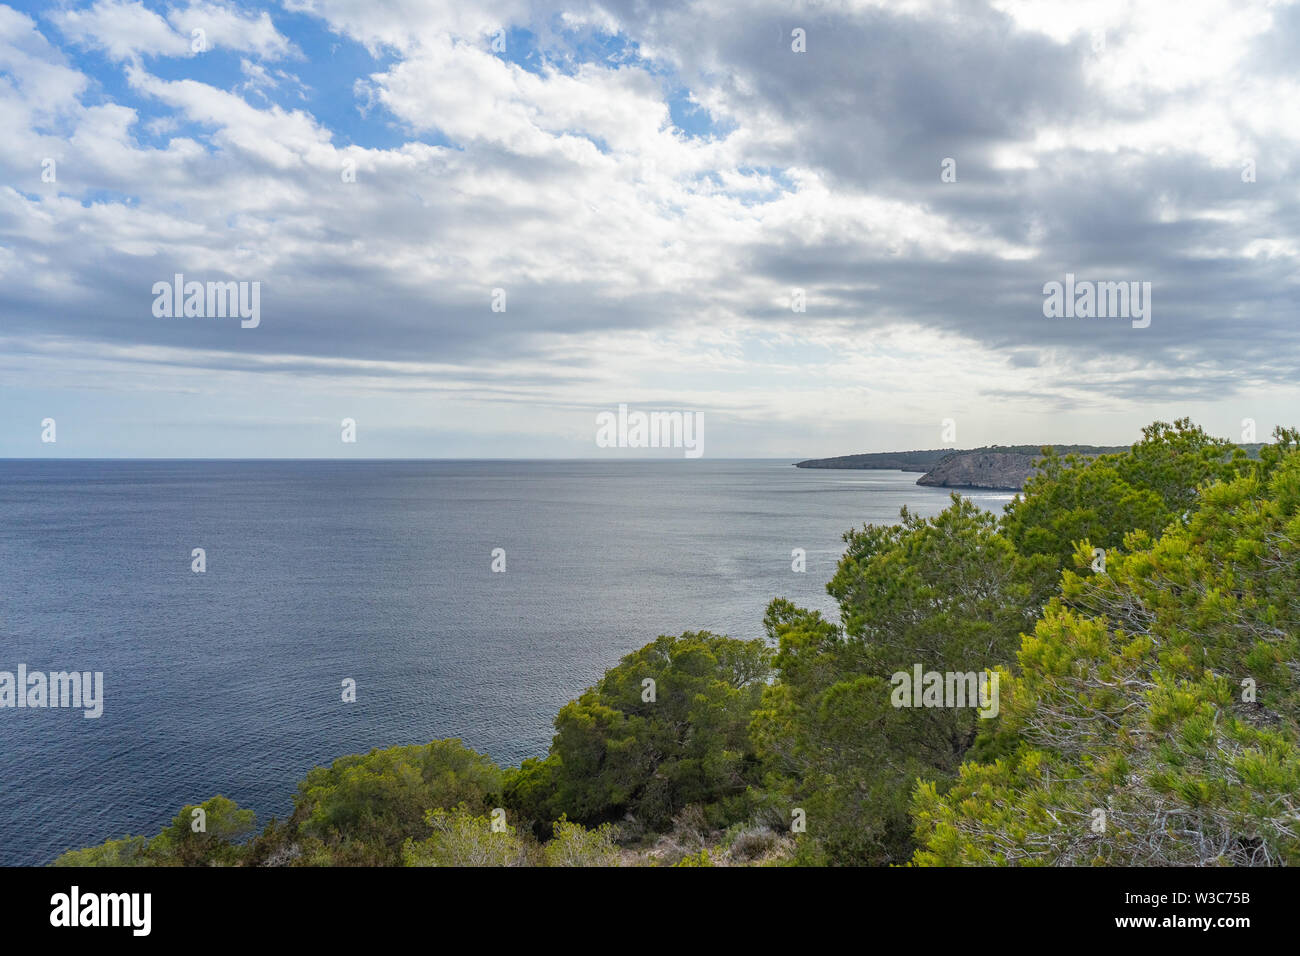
(362, 808)
(462, 838)
(631, 746)
(575, 845)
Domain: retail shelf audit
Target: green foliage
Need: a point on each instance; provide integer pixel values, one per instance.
(1101, 499)
(128, 851)
(360, 809)
(575, 845)
(1156, 705)
(949, 588)
(463, 838)
(1070, 499)
(616, 752)
(1174, 461)
(949, 593)
(696, 859)
(209, 838)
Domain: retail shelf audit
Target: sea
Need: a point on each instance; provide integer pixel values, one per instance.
(465, 599)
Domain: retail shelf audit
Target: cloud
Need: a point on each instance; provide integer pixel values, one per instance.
(128, 30)
(650, 261)
(123, 29)
(224, 27)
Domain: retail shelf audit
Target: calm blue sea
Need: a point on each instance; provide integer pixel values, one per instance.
(229, 681)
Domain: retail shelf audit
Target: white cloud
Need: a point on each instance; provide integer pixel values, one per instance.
(226, 28)
(127, 30)
(123, 29)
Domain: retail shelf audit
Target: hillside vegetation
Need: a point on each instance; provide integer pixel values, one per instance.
(1132, 615)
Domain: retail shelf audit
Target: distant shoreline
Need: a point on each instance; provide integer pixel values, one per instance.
(991, 468)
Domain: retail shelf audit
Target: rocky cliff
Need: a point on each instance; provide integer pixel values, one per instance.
(992, 470)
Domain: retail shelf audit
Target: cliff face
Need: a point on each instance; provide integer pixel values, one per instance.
(991, 470)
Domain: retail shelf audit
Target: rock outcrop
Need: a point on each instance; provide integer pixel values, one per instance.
(990, 470)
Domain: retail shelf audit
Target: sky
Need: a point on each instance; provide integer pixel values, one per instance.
(473, 227)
